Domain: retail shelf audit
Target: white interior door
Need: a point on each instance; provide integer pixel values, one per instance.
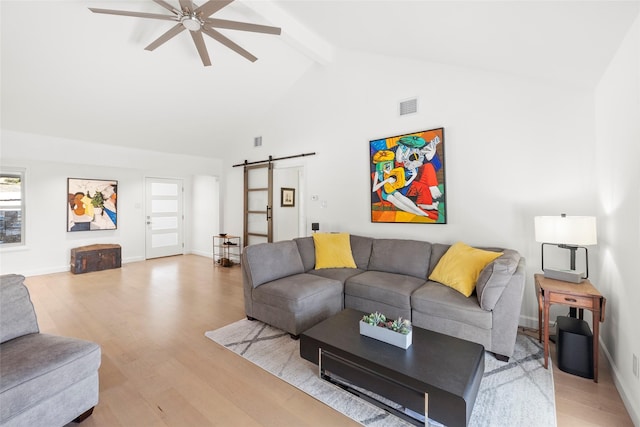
(164, 217)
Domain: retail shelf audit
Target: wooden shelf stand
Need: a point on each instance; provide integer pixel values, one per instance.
(226, 250)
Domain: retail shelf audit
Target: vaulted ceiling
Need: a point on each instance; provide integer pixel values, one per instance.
(69, 73)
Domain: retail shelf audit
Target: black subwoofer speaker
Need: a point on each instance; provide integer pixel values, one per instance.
(574, 346)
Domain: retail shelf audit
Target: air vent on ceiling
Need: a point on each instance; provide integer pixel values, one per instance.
(257, 141)
(409, 106)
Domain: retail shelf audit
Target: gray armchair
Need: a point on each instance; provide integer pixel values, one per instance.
(45, 380)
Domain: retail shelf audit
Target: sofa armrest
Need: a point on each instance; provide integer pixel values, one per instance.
(17, 315)
(266, 262)
(271, 261)
(247, 284)
(495, 277)
(506, 313)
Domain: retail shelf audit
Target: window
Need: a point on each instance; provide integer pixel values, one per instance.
(11, 207)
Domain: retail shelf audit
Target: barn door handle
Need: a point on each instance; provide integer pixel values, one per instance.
(268, 209)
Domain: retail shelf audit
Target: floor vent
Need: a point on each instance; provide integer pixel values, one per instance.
(409, 106)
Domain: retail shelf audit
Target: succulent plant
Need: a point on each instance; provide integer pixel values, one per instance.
(400, 325)
(375, 319)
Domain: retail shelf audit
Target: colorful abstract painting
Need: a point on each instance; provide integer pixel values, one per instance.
(92, 204)
(407, 178)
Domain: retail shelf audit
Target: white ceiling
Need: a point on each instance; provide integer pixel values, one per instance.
(69, 73)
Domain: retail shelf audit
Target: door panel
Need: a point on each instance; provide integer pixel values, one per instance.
(255, 223)
(164, 217)
(258, 203)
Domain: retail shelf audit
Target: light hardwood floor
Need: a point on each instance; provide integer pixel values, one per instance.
(158, 369)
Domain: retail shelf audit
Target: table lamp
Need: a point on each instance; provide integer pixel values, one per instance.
(567, 232)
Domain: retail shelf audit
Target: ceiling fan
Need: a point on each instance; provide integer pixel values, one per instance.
(197, 20)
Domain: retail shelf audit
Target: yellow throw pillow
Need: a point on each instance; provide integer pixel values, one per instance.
(460, 267)
(333, 250)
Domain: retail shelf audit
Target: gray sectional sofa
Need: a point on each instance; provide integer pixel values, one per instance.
(283, 288)
(45, 380)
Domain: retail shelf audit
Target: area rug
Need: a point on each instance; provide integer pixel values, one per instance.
(517, 393)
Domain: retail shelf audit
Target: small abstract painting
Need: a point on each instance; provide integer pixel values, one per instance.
(407, 178)
(92, 204)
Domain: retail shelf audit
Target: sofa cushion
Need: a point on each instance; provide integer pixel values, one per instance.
(495, 277)
(341, 274)
(333, 250)
(17, 315)
(437, 251)
(390, 288)
(37, 366)
(300, 292)
(447, 303)
(271, 261)
(407, 257)
(361, 250)
(307, 252)
(460, 267)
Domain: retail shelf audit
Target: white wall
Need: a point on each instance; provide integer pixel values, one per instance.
(285, 219)
(617, 104)
(50, 161)
(206, 213)
(514, 148)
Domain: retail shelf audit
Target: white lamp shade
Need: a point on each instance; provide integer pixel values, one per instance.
(567, 230)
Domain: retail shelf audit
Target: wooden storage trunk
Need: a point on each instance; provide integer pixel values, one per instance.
(95, 258)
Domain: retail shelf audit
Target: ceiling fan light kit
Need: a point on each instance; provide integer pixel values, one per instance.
(191, 22)
(197, 20)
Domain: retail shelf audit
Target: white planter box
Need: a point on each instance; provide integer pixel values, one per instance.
(386, 335)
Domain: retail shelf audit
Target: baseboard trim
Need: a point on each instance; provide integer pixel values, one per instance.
(528, 322)
(203, 253)
(634, 412)
(67, 268)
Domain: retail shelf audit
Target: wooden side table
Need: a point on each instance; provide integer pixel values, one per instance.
(579, 295)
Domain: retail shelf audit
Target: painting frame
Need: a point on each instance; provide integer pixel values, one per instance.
(407, 178)
(92, 204)
(287, 197)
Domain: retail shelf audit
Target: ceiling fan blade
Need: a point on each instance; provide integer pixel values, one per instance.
(211, 7)
(186, 5)
(166, 6)
(242, 26)
(202, 48)
(228, 43)
(134, 14)
(175, 30)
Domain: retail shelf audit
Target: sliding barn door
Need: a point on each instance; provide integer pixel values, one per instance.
(258, 204)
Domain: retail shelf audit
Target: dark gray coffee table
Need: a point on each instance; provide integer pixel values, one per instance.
(438, 376)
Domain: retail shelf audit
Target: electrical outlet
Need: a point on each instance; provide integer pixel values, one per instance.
(635, 367)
